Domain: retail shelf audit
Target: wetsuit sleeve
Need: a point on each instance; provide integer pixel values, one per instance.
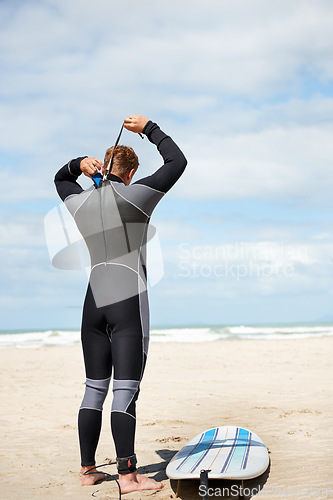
(174, 160)
(65, 179)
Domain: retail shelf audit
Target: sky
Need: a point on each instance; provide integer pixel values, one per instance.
(244, 88)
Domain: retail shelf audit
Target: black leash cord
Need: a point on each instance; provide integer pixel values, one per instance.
(109, 167)
(88, 473)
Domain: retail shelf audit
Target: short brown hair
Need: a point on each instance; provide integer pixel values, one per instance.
(124, 160)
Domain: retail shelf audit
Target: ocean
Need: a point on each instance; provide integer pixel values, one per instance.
(52, 338)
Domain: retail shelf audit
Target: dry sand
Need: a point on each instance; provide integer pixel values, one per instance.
(282, 390)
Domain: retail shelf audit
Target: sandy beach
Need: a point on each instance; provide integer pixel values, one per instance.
(282, 390)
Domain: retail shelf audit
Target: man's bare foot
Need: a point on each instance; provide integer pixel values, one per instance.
(90, 479)
(135, 482)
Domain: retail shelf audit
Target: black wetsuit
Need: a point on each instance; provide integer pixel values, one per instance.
(113, 220)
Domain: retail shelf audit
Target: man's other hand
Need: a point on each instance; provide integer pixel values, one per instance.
(90, 166)
(135, 123)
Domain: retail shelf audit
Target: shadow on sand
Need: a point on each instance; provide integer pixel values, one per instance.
(188, 489)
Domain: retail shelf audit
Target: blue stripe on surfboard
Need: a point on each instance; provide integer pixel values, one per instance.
(205, 453)
(237, 451)
(247, 451)
(200, 448)
(188, 456)
(231, 451)
(237, 458)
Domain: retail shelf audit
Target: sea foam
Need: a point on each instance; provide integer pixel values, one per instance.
(54, 338)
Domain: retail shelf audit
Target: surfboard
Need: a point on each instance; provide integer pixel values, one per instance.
(227, 452)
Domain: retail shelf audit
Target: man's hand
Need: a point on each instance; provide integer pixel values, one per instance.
(90, 166)
(135, 123)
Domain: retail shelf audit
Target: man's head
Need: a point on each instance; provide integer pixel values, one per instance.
(124, 164)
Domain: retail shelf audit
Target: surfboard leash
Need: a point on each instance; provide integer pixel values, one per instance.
(88, 473)
(98, 178)
(108, 169)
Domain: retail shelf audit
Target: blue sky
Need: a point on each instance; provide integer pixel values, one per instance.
(245, 89)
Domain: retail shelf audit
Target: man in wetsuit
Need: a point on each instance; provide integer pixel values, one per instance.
(113, 219)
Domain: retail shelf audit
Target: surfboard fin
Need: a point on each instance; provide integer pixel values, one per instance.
(178, 488)
(204, 481)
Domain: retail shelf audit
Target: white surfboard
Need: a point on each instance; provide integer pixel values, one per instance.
(226, 452)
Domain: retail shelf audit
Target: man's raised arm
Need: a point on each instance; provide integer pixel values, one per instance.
(174, 160)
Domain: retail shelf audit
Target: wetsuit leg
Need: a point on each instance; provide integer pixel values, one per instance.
(98, 364)
(112, 335)
(129, 323)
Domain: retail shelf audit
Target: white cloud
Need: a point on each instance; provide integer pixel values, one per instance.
(19, 230)
(254, 268)
(239, 264)
(276, 154)
(280, 164)
(72, 70)
(244, 47)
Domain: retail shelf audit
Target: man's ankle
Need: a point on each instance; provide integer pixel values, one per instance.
(126, 465)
